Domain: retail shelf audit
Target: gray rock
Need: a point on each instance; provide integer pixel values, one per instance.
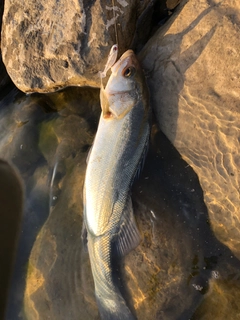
(194, 79)
(57, 44)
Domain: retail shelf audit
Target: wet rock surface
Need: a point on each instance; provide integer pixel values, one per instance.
(166, 277)
(194, 80)
(42, 142)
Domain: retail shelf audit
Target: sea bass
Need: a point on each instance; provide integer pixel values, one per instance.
(116, 157)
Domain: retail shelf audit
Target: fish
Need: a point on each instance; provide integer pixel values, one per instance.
(115, 160)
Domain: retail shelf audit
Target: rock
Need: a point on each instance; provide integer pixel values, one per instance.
(217, 303)
(4, 77)
(171, 4)
(47, 47)
(41, 141)
(169, 264)
(194, 79)
(11, 208)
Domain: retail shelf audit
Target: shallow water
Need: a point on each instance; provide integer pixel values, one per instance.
(179, 271)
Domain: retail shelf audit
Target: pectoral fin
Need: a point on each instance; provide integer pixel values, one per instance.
(104, 102)
(128, 236)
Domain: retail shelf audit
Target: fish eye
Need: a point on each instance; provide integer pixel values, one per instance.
(129, 72)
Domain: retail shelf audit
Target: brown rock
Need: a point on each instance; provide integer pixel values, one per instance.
(4, 77)
(59, 282)
(221, 302)
(165, 277)
(194, 79)
(46, 47)
(171, 4)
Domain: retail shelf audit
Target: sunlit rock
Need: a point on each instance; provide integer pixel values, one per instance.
(59, 281)
(57, 44)
(221, 299)
(194, 79)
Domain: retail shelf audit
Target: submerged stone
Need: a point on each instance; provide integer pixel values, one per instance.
(166, 276)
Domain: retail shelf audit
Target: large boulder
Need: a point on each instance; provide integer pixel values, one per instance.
(194, 79)
(49, 45)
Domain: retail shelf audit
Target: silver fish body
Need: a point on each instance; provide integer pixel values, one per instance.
(118, 151)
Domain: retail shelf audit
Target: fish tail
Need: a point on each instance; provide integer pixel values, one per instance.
(111, 304)
(116, 311)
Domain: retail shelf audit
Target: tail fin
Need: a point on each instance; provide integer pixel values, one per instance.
(110, 302)
(113, 309)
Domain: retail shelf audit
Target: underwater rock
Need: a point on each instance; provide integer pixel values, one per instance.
(47, 47)
(194, 80)
(221, 299)
(11, 207)
(39, 141)
(165, 277)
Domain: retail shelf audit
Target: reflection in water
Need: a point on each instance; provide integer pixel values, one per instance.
(179, 271)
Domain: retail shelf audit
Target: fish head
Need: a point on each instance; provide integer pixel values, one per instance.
(125, 87)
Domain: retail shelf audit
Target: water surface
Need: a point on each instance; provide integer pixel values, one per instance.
(179, 271)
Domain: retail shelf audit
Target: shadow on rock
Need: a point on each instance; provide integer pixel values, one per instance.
(179, 252)
(159, 63)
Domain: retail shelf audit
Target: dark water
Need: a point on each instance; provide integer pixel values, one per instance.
(179, 271)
